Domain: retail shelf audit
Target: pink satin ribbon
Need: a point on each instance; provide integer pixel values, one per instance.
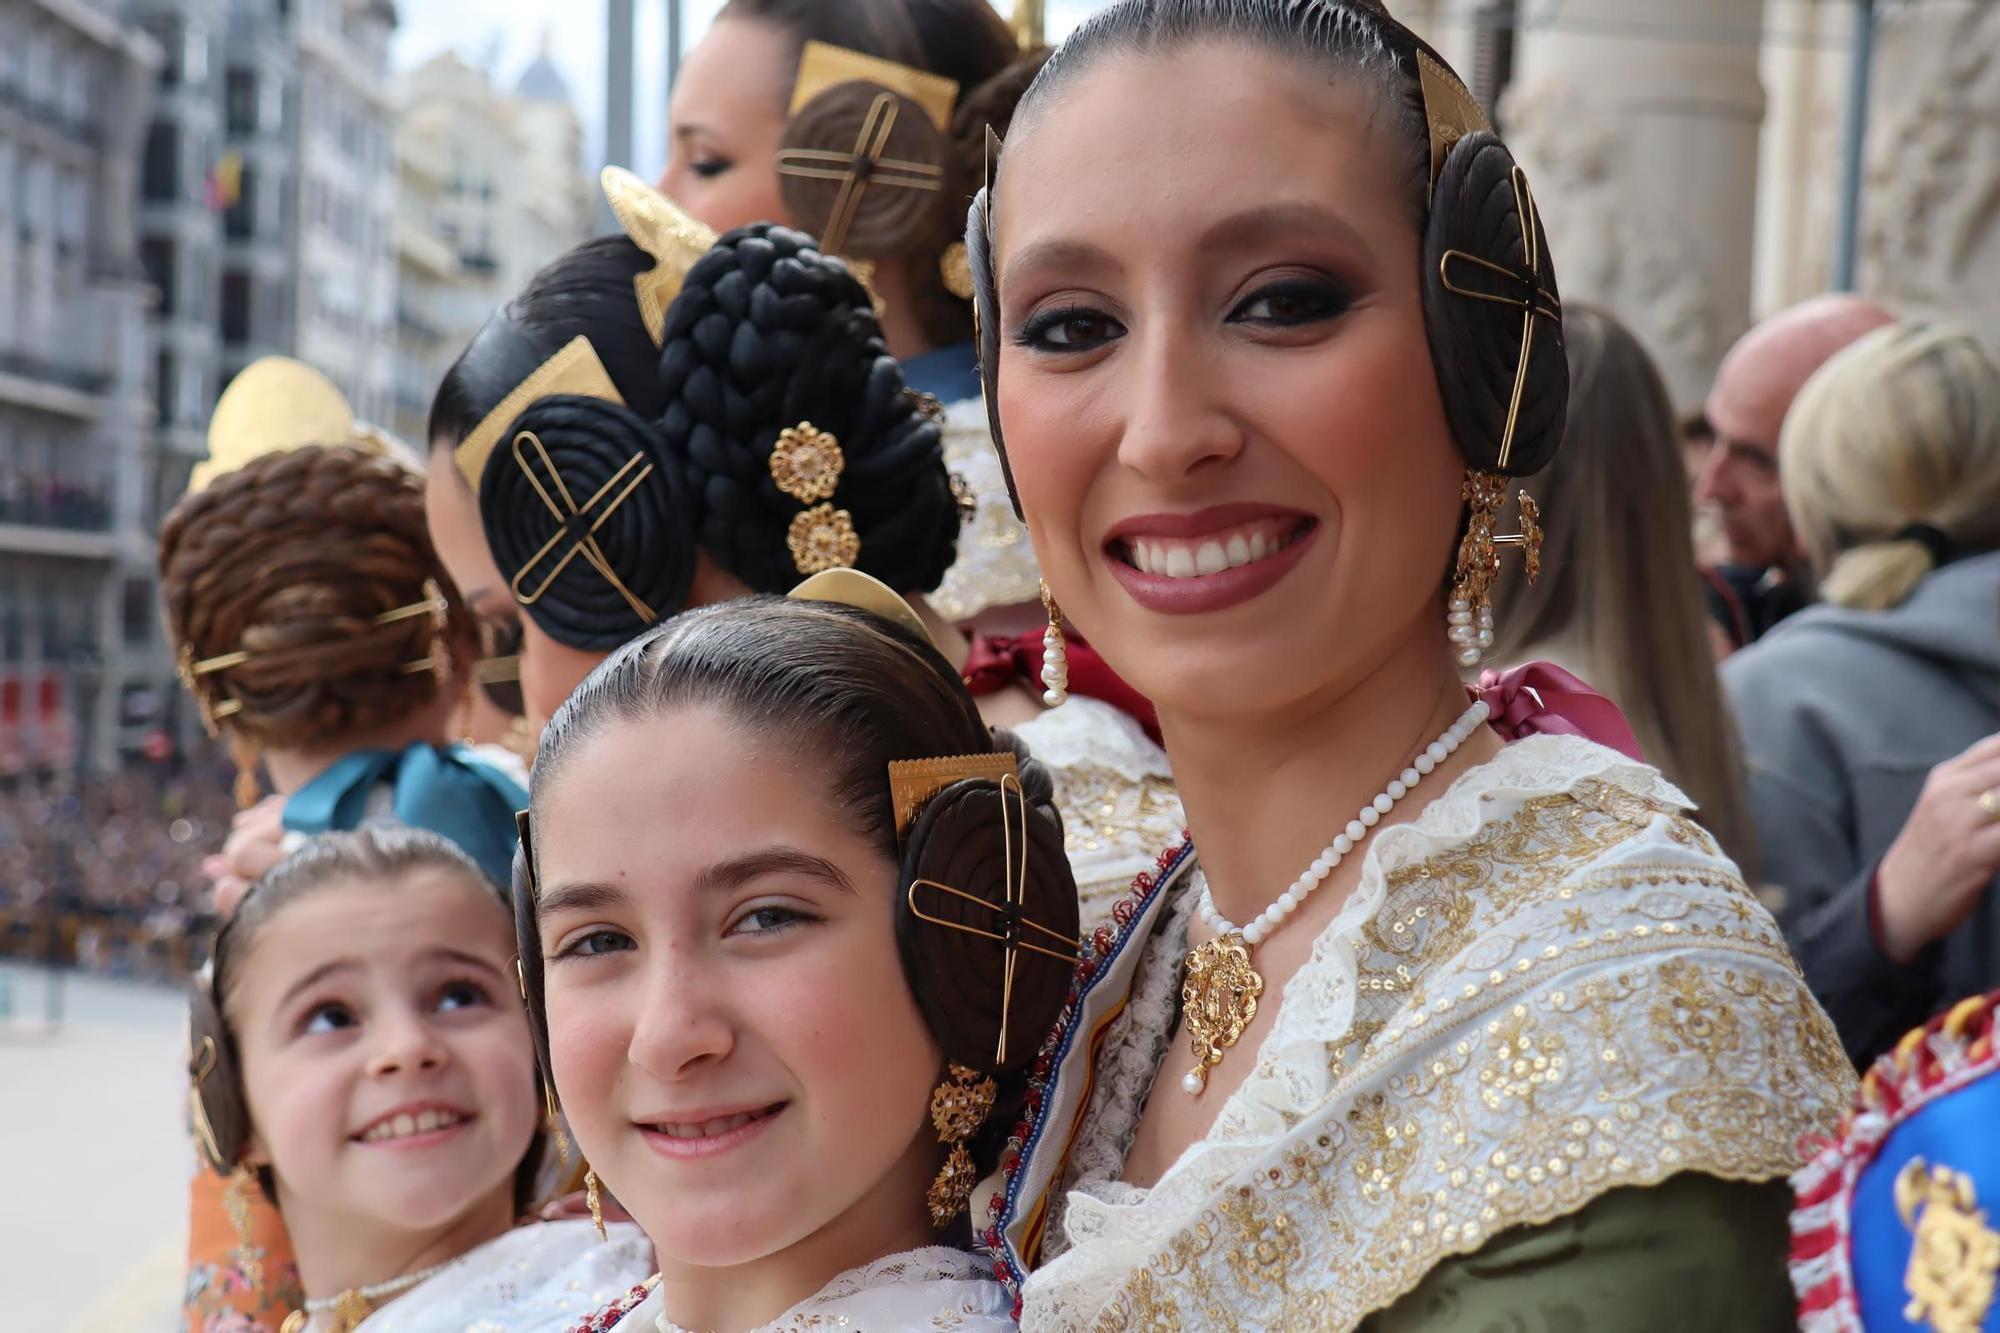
(1541, 699)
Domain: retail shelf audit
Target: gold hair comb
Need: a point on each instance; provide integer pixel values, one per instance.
(277, 404)
(914, 781)
(658, 226)
(574, 369)
(823, 65)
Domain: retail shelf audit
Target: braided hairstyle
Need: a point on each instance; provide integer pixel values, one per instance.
(857, 692)
(290, 559)
(765, 335)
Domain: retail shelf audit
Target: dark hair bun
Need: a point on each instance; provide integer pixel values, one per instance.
(768, 333)
(1476, 210)
(960, 978)
(896, 209)
(572, 468)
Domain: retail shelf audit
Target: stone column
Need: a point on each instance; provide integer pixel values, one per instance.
(1930, 208)
(1638, 125)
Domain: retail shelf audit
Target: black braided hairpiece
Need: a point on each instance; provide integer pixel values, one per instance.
(589, 520)
(767, 333)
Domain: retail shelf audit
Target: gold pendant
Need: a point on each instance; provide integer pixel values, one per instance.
(1218, 1000)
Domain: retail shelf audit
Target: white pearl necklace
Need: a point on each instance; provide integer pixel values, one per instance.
(395, 1286)
(1344, 842)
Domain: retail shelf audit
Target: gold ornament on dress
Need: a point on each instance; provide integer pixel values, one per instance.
(673, 238)
(1218, 1000)
(1954, 1255)
(959, 1106)
(806, 463)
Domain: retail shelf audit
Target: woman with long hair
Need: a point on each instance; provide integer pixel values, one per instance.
(1622, 604)
(1448, 1012)
(1868, 720)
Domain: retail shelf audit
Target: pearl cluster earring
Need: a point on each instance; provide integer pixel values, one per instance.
(1055, 654)
(1470, 631)
(1469, 612)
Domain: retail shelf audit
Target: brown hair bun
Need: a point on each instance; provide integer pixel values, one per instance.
(960, 978)
(216, 1084)
(1476, 343)
(893, 213)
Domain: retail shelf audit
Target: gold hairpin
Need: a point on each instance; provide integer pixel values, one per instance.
(199, 1068)
(823, 65)
(673, 238)
(574, 369)
(1529, 294)
(569, 514)
(859, 168)
(1014, 834)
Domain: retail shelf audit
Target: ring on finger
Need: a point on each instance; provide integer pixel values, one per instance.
(1989, 803)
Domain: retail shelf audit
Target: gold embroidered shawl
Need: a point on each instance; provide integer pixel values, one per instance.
(1549, 985)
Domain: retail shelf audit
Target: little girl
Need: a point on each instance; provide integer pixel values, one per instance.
(361, 1056)
(797, 926)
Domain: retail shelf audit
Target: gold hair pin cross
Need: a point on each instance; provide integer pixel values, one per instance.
(1522, 289)
(1013, 925)
(859, 168)
(577, 524)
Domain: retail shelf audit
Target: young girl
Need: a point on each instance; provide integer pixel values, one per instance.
(797, 924)
(362, 1056)
(1449, 1016)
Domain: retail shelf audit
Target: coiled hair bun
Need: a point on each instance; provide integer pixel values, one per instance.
(891, 209)
(1477, 211)
(964, 839)
(766, 334)
(575, 480)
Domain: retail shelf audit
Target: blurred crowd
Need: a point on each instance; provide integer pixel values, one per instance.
(46, 500)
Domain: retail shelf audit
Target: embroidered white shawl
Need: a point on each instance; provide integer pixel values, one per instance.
(1548, 985)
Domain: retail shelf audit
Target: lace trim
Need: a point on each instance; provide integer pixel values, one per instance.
(995, 565)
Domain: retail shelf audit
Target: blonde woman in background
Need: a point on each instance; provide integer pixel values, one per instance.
(1623, 608)
(1868, 722)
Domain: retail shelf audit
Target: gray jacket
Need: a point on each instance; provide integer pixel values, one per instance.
(1843, 714)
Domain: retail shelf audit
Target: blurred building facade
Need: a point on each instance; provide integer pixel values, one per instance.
(76, 89)
(492, 189)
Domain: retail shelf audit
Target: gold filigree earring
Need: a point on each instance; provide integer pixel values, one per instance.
(959, 1107)
(1469, 613)
(593, 1195)
(236, 1203)
(955, 271)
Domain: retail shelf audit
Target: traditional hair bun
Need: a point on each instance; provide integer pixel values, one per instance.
(891, 208)
(571, 455)
(1475, 343)
(215, 1084)
(962, 840)
(766, 334)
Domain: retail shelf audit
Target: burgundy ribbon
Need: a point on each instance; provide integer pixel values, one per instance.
(1541, 699)
(997, 661)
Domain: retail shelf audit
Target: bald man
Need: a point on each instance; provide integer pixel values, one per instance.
(1753, 391)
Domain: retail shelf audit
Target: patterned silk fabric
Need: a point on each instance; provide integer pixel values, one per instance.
(1549, 985)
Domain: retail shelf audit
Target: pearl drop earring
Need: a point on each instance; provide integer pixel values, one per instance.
(1055, 654)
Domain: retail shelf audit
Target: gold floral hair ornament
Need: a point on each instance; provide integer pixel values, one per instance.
(576, 524)
(823, 65)
(574, 369)
(1015, 930)
(864, 592)
(277, 404)
(437, 661)
(663, 230)
(806, 463)
(1525, 289)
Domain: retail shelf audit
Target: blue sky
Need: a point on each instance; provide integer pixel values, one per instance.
(505, 35)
